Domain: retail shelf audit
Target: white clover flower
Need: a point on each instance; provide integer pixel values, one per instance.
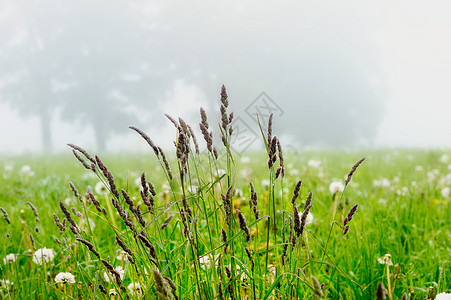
(336, 187)
(64, 277)
(444, 158)
(135, 288)
(5, 283)
(448, 179)
(9, 168)
(121, 255)
(26, 171)
(118, 269)
(205, 261)
(10, 258)
(309, 219)
(100, 188)
(403, 191)
(272, 270)
(385, 260)
(443, 296)
(314, 163)
(445, 192)
(382, 201)
(384, 182)
(43, 255)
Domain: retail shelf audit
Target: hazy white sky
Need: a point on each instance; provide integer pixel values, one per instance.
(412, 42)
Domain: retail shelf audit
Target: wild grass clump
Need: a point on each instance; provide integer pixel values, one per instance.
(207, 233)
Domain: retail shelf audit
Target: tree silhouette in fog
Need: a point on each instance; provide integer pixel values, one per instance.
(82, 59)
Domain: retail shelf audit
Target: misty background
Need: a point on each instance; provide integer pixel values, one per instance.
(334, 73)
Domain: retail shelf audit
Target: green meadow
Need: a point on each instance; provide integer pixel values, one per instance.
(403, 210)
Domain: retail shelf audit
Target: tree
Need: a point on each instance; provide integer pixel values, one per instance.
(85, 59)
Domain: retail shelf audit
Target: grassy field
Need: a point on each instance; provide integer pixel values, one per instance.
(192, 226)
(403, 210)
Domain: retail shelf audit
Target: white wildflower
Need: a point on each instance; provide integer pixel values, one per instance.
(443, 296)
(382, 201)
(403, 191)
(100, 188)
(205, 261)
(9, 168)
(448, 179)
(315, 164)
(385, 260)
(418, 168)
(5, 283)
(26, 171)
(10, 258)
(121, 255)
(118, 269)
(384, 182)
(309, 219)
(64, 277)
(444, 158)
(43, 255)
(272, 270)
(135, 288)
(336, 187)
(445, 192)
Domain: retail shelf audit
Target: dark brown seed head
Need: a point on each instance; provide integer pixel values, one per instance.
(309, 200)
(5, 215)
(203, 117)
(296, 191)
(146, 138)
(352, 212)
(224, 97)
(380, 291)
(269, 135)
(166, 222)
(243, 224)
(353, 169)
(83, 151)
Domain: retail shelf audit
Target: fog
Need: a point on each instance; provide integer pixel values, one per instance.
(334, 74)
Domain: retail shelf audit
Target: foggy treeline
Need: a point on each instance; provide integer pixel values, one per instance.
(104, 65)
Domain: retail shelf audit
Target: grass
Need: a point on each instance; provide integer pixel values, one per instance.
(188, 259)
